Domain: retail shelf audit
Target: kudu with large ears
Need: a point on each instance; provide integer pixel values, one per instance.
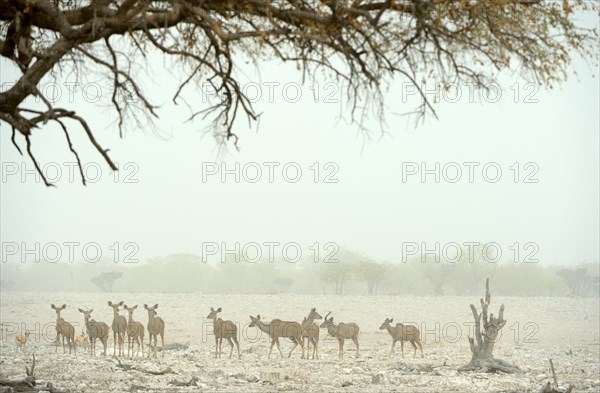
(223, 329)
(135, 333)
(156, 327)
(119, 325)
(277, 329)
(63, 330)
(342, 331)
(402, 333)
(310, 331)
(96, 330)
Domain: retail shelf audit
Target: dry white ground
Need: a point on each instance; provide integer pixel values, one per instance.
(564, 329)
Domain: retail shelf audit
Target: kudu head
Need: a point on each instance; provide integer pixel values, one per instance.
(213, 313)
(151, 310)
(86, 314)
(254, 320)
(115, 307)
(130, 310)
(58, 309)
(385, 324)
(314, 314)
(327, 322)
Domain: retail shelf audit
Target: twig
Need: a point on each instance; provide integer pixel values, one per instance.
(553, 373)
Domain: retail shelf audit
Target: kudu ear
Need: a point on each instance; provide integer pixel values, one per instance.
(212, 309)
(110, 303)
(219, 309)
(52, 306)
(391, 320)
(134, 307)
(80, 310)
(121, 303)
(91, 311)
(146, 306)
(64, 306)
(258, 317)
(156, 305)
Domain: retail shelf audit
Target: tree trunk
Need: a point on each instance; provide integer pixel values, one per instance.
(482, 346)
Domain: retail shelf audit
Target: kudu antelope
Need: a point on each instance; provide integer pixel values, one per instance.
(135, 331)
(21, 340)
(223, 329)
(119, 324)
(310, 331)
(96, 330)
(402, 333)
(63, 330)
(342, 331)
(278, 328)
(156, 327)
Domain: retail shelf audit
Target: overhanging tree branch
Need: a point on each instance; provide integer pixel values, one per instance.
(363, 44)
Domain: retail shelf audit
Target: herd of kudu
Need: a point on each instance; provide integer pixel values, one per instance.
(276, 329)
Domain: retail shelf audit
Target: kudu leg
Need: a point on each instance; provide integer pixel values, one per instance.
(231, 344)
(105, 344)
(162, 344)
(115, 338)
(415, 348)
(237, 344)
(420, 347)
(341, 349)
(279, 347)
(355, 339)
(392, 350)
(271, 349)
(402, 347)
(292, 350)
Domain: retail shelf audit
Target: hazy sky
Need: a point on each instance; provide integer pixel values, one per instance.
(378, 202)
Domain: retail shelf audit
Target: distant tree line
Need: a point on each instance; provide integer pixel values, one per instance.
(353, 274)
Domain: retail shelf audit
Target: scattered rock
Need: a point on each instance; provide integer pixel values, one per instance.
(446, 371)
(272, 377)
(379, 379)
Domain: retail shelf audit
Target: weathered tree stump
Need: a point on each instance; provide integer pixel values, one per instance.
(482, 345)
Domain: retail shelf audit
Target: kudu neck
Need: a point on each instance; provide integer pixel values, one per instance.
(263, 326)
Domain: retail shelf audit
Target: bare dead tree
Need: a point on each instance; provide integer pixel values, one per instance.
(362, 44)
(482, 345)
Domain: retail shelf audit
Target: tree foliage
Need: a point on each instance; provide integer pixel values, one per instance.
(362, 44)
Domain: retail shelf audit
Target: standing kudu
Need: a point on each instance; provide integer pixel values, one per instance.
(135, 331)
(156, 327)
(278, 328)
(223, 329)
(96, 330)
(310, 331)
(119, 325)
(63, 330)
(342, 331)
(403, 333)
